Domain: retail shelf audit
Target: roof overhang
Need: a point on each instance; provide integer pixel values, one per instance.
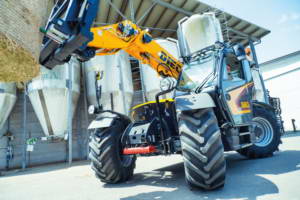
(161, 17)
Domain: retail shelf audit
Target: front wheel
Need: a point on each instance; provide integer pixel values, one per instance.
(267, 134)
(202, 149)
(108, 162)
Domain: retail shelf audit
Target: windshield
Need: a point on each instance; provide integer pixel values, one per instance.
(196, 72)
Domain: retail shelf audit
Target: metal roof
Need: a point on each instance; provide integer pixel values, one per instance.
(295, 54)
(161, 17)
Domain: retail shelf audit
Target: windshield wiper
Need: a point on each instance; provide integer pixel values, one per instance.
(199, 87)
(203, 53)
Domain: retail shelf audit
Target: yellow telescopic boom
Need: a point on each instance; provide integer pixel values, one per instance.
(138, 43)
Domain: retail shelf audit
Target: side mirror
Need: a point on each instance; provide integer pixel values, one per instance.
(168, 83)
(240, 52)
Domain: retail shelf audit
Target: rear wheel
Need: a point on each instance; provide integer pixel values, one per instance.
(267, 134)
(107, 160)
(202, 149)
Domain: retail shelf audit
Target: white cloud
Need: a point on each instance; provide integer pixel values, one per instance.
(283, 19)
(295, 16)
(290, 28)
(289, 17)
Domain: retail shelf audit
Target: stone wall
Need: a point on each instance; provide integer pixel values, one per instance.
(20, 21)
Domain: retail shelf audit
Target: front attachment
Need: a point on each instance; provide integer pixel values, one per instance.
(68, 32)
(144, 135)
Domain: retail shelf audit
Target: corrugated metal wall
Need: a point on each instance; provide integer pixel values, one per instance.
(282, 79)
(44, 151)
(287, 88)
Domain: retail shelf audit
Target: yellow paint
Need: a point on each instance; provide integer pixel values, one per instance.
(109, 40)
(235, 106)
(245, 104)
(244, 111)
(149, 102)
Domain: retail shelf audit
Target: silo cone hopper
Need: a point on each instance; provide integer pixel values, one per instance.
(7, 101)
(116, 82)
(48, 94)
(151, 80)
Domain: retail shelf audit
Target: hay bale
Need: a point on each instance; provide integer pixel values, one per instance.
(20, 39)
(16, 63)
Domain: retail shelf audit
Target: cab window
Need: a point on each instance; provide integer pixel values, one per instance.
(233, 69)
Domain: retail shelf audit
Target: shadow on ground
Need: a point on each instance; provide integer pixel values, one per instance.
(243, 179)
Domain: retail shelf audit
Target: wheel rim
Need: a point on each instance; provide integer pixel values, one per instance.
(263, 131)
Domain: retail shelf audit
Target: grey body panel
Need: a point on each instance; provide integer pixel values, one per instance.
(106, 119)
(103, 120)
(194, 101)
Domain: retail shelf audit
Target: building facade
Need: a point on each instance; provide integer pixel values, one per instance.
(282, 79)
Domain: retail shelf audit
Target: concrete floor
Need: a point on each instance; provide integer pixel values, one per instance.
(162, 178)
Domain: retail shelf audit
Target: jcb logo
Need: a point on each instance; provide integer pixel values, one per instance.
(170, 62)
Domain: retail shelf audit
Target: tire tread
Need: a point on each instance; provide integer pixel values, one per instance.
(202, 149)
(104, 155)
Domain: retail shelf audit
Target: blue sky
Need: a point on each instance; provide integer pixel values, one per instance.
(282, 17)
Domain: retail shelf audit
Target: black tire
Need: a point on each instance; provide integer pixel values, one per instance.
(202, 149)
(264, 117)
(107, 161)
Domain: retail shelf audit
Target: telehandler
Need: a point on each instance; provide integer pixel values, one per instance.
(217, 105)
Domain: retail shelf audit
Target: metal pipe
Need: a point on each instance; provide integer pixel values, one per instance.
(131, 11)
(253, 52)
(171, 6)
(146, 13)
(142, 82)
(116, 9)
(123, 89)
(294, 125)
(159, 29)
(69, 109)
(85, 109)
(173, 17)
(144, 27)
(24, 159)
(112, 101)
(78, 134)
(8, 145)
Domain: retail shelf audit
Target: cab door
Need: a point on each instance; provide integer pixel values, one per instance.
(236, 86)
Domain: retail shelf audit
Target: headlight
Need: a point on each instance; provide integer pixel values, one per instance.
(167, 83)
